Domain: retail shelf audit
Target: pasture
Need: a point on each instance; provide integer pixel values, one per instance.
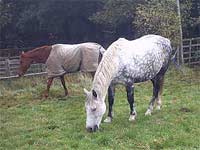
(27, 121)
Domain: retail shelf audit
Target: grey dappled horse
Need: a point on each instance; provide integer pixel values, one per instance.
(127, 62)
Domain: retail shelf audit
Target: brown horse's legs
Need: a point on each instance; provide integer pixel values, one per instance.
(62, 79)
(49, 82)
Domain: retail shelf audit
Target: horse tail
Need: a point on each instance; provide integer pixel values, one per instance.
(173, 57)
(175, 62)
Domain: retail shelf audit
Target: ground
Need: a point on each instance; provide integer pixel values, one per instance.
(28, 121)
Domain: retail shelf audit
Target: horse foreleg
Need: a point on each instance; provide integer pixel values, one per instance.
(49, 82)
(130, 97)
(62, 79)
(157, 90)
(111, 95)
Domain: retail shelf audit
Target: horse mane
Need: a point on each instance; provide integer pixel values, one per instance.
(36, 49)
(106, 71)
(39, 54)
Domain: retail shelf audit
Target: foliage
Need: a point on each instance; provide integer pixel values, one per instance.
(115, 12)
(51, 21)
(29, 122)
(5, 16)
(52, 16)
(150, 17)
(190, 10)
(116, 18)
(31, 23)
(158, 17)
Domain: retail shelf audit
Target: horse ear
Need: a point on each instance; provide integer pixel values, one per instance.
(94, 93)
(86, 91)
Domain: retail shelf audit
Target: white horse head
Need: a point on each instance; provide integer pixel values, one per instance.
(95, 101)
(95, 109)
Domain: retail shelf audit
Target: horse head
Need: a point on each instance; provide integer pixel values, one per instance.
(95, 109)
(25, 62)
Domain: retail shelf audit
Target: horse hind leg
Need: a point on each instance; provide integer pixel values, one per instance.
(157, 91)
(49, 82)
(159, 98)
(62, 79)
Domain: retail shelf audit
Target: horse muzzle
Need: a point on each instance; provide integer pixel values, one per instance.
(92, 129)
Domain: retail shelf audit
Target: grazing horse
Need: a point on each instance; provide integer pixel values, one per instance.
(127, 62)
(63, 58)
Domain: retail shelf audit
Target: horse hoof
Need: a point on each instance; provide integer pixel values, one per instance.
(108, 120)
(45, 96)
(132, 118)
(158, 107)
(148, 112)
(66, 93)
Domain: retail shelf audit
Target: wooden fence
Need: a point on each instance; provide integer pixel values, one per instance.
(10, 65)
(191, 51)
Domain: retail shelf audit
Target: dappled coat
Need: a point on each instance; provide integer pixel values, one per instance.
(65, 58)
(129, 62)
(142, 59)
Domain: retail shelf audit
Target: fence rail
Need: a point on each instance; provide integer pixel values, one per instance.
(10, 65)
(191, 51)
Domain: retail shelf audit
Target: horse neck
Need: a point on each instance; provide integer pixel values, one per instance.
(39, 55)
(105, 72)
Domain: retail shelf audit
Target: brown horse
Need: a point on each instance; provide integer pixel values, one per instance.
(61, 59)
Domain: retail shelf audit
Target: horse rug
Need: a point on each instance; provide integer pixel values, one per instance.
(65, 58)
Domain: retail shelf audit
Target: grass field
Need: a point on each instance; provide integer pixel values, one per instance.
(29, 122)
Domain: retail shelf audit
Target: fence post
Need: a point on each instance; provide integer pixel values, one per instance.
(190, 51)
(7, 65)
(40, 68)
(181, 61)
(178, 55)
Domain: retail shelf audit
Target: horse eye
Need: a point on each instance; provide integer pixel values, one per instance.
(93, 109)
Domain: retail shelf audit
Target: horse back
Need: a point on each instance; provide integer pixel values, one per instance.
(91, 56)
(142, 59)
(46, 50)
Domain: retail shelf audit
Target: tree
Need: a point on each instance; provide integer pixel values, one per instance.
(149, 17)
(116, 17)
(115, 12)
(36, 22)
(5, 15)
(190, 10)
(158, 17)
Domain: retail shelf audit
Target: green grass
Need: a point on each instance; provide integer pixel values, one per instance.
(27, 121)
